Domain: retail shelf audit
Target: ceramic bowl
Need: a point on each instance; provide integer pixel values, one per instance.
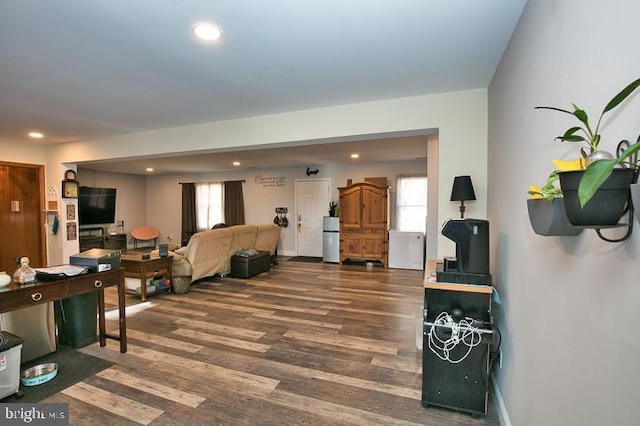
(5, 279)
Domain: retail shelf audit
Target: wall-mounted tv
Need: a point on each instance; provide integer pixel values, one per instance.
(96, 206)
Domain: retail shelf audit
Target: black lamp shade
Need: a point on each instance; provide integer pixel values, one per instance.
(462, 189)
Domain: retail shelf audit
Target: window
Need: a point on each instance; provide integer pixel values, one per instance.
(411, 204)
(209, 205)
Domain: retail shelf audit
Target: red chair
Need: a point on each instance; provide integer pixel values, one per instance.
(144, 233)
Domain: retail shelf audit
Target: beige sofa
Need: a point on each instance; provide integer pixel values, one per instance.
(209, 252)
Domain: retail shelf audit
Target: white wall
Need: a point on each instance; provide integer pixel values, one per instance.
(569, 304)
(262, 193)
(131, 200)
(459, 118)
(17, 152)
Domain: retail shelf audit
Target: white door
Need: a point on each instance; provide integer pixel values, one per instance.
(312, 203)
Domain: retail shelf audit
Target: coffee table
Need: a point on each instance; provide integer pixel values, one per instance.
(143, 267)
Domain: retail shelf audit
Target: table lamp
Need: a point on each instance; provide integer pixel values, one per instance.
(462, 191)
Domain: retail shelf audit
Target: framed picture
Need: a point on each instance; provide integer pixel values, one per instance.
(71, 212)
(72, 232)
(69, 189)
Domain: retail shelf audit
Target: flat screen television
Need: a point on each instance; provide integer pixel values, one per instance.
(96, 206)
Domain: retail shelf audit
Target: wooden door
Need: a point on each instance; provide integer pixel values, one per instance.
(22, 220)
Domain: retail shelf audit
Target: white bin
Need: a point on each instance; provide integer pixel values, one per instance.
(10, 352)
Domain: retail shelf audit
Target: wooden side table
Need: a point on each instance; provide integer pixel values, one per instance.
(137, 267)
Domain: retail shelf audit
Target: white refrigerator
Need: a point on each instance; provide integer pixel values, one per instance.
(406, 250)
(331, 239)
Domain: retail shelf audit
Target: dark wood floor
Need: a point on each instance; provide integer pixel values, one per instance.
(305, 343)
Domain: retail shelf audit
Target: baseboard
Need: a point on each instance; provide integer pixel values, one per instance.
(503, 416)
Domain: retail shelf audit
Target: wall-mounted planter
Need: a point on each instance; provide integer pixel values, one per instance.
(635, 198)
(607, 205)
(549, 218)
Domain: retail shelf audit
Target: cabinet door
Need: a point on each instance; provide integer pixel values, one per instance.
(115, 242)
(89, 242)
(350, 208)
(350, 245)
(374, 245)
(374, 208)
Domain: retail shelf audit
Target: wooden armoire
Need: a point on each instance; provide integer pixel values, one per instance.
(364, 231)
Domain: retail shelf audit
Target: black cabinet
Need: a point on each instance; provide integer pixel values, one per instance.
(110, 242)
(457, 377)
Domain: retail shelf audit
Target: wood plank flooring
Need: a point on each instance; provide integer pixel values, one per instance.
(313, 344)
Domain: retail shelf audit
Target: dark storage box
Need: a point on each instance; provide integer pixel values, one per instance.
(243, 266)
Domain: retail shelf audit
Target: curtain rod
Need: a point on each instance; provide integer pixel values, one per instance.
(240, 180)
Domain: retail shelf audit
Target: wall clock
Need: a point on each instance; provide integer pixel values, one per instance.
(70, 175)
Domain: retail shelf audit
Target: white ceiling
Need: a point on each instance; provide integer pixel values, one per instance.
(80, 69)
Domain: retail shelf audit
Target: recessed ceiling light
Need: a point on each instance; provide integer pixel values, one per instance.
(149, 169)
(36, 135)
(355, 155)
(207, 32)
(236, 163)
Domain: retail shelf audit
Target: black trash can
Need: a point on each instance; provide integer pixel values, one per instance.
(77, 320)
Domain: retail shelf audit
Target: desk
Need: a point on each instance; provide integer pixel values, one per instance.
(15, 297)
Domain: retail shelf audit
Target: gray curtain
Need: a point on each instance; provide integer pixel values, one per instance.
(233, 203)
(188, 212)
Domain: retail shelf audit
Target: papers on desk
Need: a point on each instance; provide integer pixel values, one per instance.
(60, 272)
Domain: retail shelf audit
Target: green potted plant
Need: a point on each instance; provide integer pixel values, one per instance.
(546, 209)
(585, 201)
(334, 210)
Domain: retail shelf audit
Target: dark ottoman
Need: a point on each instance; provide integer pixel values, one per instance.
(246, 264)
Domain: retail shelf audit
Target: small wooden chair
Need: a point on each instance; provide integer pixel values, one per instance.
(144, 233)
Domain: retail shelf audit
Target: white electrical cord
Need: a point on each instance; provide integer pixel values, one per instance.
(462, 332)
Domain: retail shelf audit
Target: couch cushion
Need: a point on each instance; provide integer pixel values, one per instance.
(244, 237)
(267, 238)
(208, 252)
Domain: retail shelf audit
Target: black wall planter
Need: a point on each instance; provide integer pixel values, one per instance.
(635, 198)
(607, 205)
(549, 218)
